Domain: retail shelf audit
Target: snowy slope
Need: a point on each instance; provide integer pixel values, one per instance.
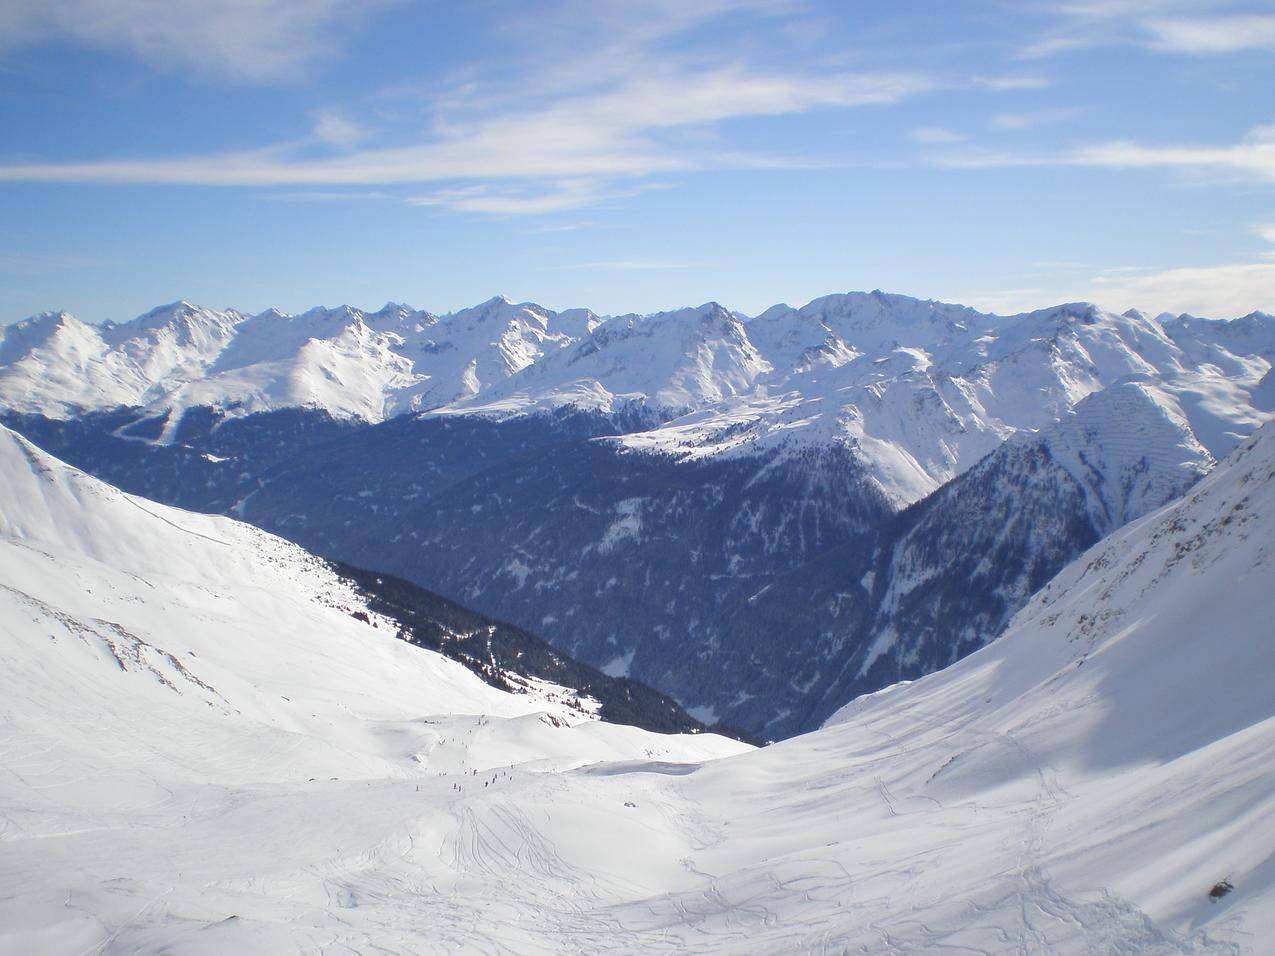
(1076, 787)
(1129, 448)
(1135, 687)
(147, 648)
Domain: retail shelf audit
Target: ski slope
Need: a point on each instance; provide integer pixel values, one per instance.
(1077, 786)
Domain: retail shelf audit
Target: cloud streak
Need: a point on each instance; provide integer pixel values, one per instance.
(1223, 290)
(251, 41)
(574, 150)
(1189, 27)
(1213, 35)
(1252, 159)
(632, 265)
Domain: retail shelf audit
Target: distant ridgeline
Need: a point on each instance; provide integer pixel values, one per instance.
(762, 518)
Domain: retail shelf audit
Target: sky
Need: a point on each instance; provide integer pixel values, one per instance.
(635, 155)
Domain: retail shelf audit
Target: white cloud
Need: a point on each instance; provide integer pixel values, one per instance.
(1032, 119)
(325, 195)
(537, 198)
(1251, 159)
(236, 40)
(617, 132)
(634, 265)
(1222, 291)
(14, 262)
(936, 134)
(1222, 34)
(1188, 27)
(1219, 291)
(1010, 82)
(336, 130)
(587, 103)
(561, 227)
(1266, 232)
(1058, 264)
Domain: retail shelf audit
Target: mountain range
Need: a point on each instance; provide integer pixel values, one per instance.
(763, 517)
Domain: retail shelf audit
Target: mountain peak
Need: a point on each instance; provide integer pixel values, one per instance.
(48, 317)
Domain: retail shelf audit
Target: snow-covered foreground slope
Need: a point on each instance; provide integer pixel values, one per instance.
(1076, 787)
(160, 668)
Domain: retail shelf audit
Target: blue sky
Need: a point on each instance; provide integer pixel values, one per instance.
(635, 155)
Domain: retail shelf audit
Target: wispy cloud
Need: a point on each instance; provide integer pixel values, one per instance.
(323, 195)
(1033, 119)
(1222, 290)
(936, 134)
(1192, 27)
(588, 104)
(633, 265)
(1010, 82)
(1266, 232)
(621, 132)
(1251, 159)
(18, 262)
(1219, 34)
(1062, 265)
(241, 41)
(562, 227)
(333, 129)
(530, 199)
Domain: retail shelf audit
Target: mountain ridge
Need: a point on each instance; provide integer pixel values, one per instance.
(923, 388)
(647, 490)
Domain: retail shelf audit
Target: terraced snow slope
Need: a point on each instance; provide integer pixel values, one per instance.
(1078, 786)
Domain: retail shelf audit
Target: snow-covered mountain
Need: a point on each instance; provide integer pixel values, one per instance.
(669, 363)
(919, 390)
(179, 693)
(700, 501)
(922, 390)
(943, 578)
(350, 363)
